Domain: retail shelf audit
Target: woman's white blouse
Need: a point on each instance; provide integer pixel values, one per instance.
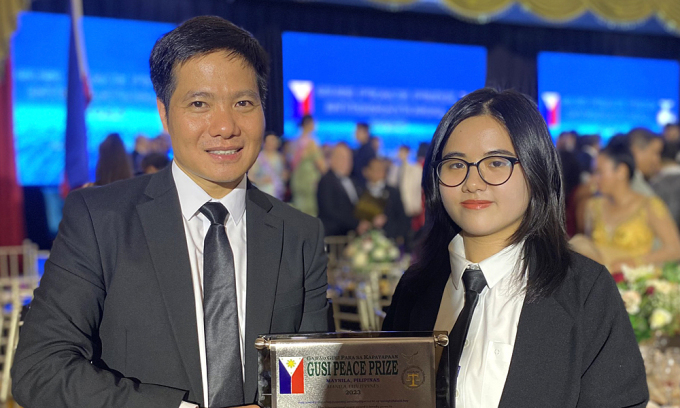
(491, 338)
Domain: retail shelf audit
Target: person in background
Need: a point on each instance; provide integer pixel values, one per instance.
(161, 144)
(142, 148)
(671, 137)
(622, 225)
(418, 222)
(566, 141)
(307, 164)
(531, 324)
(406, 177)
(588, 146)
(269, 172)
(113, 163)
(571, 174)
(375, 144)
(666, 184)
(646, 148)
(364, 153)
(381, 204)
(337, 195)
(154, 162)
(671, 133)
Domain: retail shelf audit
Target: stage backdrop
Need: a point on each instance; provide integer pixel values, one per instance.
(400, 88)
(123, 99)
(605, 95)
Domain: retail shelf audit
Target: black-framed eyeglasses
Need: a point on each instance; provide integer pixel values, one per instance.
(494, 170)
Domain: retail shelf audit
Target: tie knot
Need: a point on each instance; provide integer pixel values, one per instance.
(474, 281)
(215, 212)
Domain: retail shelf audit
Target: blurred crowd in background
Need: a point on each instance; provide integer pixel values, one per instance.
(353, 188)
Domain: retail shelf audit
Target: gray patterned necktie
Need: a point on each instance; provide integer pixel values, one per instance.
(222, 342)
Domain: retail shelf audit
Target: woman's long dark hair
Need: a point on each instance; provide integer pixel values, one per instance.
(546, 250)
(114, 163)
(620, 154)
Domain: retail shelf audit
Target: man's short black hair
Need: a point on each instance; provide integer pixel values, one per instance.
(306, 119)
(641, 137)
(200, 36)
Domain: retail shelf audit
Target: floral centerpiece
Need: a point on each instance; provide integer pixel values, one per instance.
(371, 248)
(652, 299)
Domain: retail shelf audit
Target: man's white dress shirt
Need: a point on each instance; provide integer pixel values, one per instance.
(191, 199)
(488, 348)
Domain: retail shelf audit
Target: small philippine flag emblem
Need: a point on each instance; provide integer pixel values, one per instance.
(303, 97)
(291, 375)
(552, 103)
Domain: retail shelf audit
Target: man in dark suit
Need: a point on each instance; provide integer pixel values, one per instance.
(381, 204)
(364, 153)
(337, 194)
(157, 287)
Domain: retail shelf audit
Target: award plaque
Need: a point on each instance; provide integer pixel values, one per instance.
(353, 370)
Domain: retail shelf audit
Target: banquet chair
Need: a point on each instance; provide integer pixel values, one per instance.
(17, 292)
(351, 311)
(379, 317)
(19, 260)
(335, 246)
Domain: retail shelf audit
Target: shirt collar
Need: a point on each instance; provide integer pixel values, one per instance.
(494, 268)
(192, 196)
(376, 189)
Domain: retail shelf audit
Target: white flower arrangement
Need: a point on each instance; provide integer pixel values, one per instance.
(652, 298)
(371, 248)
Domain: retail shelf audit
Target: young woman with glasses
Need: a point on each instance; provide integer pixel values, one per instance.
(531, 323)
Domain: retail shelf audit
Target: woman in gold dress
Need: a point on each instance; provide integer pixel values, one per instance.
(622, 226)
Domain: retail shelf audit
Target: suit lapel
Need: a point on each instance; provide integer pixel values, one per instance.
(265, 244)
(161, 219)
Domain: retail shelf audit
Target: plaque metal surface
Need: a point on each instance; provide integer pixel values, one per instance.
(350, 370)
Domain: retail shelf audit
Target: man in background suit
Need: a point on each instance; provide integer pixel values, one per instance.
(125, 313)
(381, 204)
(364, 153)
(337, 194)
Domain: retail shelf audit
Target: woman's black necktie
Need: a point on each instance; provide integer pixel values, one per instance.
(474, 282)
(222, 342)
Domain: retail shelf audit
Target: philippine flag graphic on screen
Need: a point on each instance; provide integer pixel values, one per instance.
(291, 375)
(303, 97)
(552, 106)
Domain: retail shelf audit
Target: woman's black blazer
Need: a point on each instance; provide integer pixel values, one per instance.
(575, 348)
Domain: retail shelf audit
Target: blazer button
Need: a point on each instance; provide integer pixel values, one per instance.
(467, 344)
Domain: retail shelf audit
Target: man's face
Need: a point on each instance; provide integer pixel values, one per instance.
(403, 154)
(648, 158)
(361, 134)
(375, 171)
(271, 143)
(341, 160)
(215, 120)
(672, 133)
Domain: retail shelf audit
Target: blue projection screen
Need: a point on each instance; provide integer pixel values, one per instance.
(401, 88)
(605, 95)
(123, 99)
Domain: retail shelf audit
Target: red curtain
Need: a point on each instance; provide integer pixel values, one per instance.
(12, 230)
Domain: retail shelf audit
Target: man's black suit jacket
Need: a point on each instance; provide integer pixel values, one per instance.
(113, 323)
(398, 224)
(336, 209)
(575, 348)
